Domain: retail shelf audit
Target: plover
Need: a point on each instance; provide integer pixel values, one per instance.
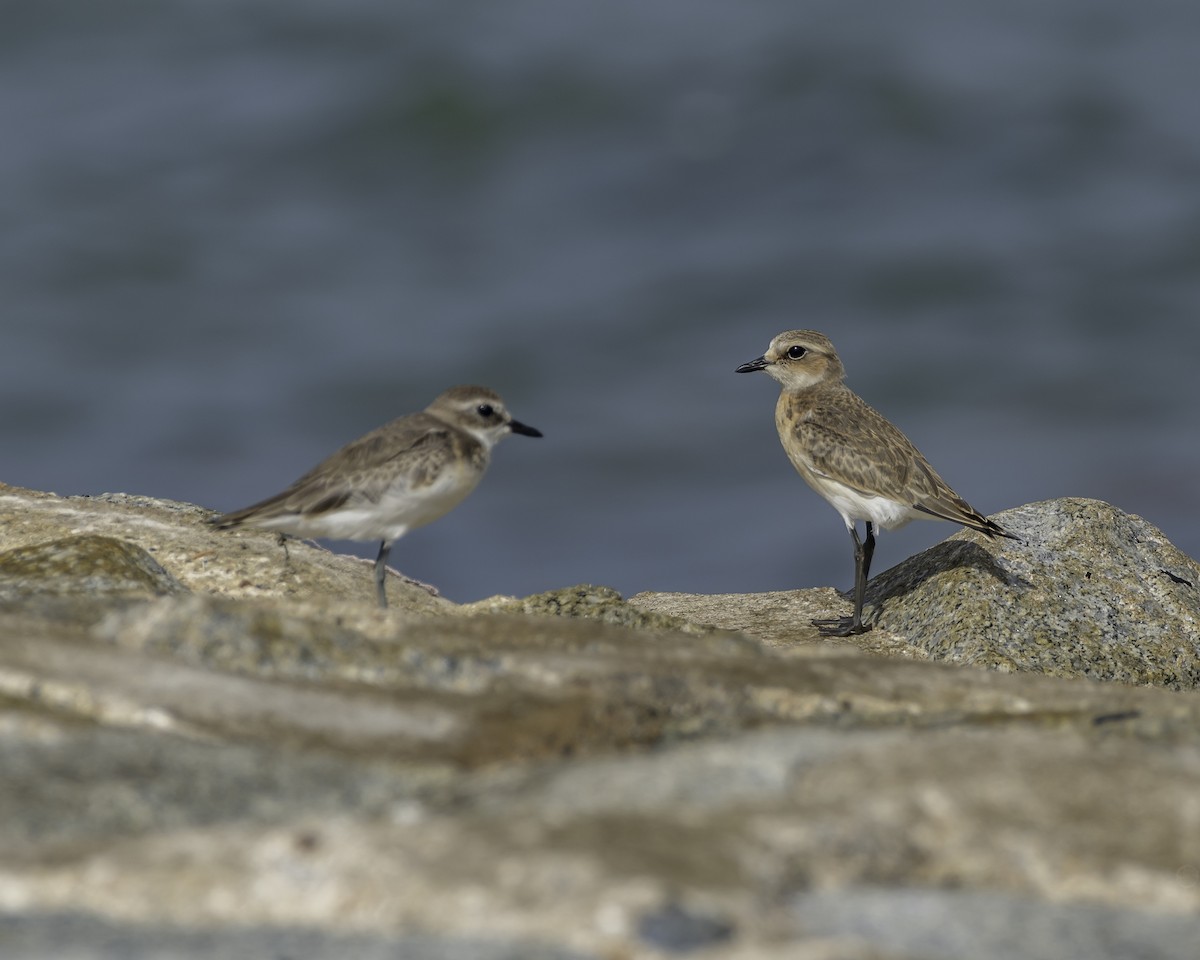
(404, 475)
(853, 457)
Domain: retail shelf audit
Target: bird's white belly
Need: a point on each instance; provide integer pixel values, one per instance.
(854, 505)
(400, 509)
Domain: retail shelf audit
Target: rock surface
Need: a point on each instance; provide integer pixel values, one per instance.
(1090, 592)
(207, 750)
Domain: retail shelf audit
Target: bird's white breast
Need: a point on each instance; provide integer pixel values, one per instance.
(855, 505)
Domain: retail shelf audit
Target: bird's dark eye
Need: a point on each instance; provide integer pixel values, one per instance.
(795, 353)
(486, 410)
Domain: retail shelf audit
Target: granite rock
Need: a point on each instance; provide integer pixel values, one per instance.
(243, 564)
(210, 751)
(82, 564)
(1091, 591)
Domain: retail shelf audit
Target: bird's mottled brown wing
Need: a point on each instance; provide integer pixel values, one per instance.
(849, 441)
(846, 440)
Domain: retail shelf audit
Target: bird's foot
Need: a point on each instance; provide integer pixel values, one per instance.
(840, 627)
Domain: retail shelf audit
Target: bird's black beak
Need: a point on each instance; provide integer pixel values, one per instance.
(754, 366)
(518, 427)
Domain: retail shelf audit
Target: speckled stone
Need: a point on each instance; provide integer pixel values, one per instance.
(1091, 592)
(201, 558)
(268, 764)
(85, 564)
(589, 602)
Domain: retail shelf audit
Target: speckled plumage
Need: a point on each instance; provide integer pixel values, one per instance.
(830, 433)
(399, 477)
(851, 455)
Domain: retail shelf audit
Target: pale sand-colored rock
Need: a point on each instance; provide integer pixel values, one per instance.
(782, 619)
(1092, 592)
(235, 564)
(201, 761)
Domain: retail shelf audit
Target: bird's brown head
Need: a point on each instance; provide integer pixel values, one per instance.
(799, 359)
(480, 412)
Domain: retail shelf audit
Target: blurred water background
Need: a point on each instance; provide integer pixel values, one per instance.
(237, 235)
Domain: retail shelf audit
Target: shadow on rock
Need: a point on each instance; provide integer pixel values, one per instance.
(943, 558)
(1092, 592)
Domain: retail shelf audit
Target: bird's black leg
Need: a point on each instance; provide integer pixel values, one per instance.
(846, 626)
(283, 539)
(381, 573)
(862, 561)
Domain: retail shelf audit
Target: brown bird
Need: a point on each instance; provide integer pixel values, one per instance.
(404, 475)
(853, 457)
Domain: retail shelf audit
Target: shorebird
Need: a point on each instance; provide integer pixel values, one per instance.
(853, 457)
(404, 475)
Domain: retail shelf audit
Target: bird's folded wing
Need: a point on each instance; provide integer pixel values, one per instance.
(873, 462)
(360, 471)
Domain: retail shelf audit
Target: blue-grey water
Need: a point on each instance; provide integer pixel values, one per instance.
(237, 235)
